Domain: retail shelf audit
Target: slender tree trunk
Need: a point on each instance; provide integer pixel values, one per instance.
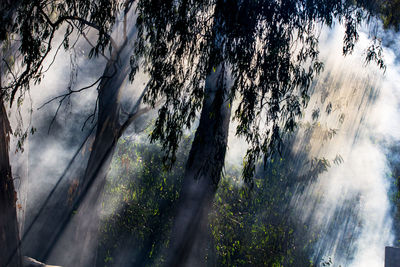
(9, 237)
(202, 175)
(20, 168)
(103, 148)
(109, 130)
(84, 205)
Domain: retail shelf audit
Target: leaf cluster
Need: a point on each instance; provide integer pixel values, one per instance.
(270, 46)
(35, 25)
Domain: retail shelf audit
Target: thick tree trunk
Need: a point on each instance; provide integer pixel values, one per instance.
(10, 254)
(9, 237)
(202, 175)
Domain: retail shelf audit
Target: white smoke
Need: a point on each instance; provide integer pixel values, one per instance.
(352, 197)
(368, 99)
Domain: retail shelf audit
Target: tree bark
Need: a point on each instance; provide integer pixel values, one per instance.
(107, 135)
(10, 254)
(109, 130)
(9, 236)
(202, 174)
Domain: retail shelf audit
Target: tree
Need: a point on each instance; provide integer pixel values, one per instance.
(37, 23)
(10, 254)
(203, 55)
(9, 236)
(200, 55)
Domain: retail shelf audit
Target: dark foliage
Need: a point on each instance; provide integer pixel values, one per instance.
(144, 195)
(33, 28)
(270, 46)
(246, 228)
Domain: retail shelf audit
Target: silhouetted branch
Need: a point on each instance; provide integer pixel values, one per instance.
(68, 94)
(54, 57)
(9, 69)
(90, 43)
(93, 115)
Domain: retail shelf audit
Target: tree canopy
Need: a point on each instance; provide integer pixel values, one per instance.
(33, 26)
(268, 49)
(271, 48)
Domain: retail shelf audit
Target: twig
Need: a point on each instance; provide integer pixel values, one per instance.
(54, 58)
(84, 36)
(64, 96)
(93, 115)
(70, 92)
(136, 111)
(9, 69)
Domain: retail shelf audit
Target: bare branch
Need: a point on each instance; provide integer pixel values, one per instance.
(84, 36)
(133, 117)
(55, 55)
(70, 92)
(136, 112)
(9, 69)
(93, 115)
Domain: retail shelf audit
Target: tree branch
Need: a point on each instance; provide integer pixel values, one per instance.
(70, 92)
(90, 43)
(93, 115)
(136, 112)
(9, 69)
(88, 23)
(61, 19)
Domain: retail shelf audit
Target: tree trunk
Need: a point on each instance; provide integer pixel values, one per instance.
(107, 134)
(10, 254)
(202, 174)
(79, 219)
(20, 169)
(9, 237)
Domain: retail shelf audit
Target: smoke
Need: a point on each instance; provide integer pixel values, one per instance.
(351, 122)
(61, 128)
(49, 150)
(357, 110)
(348, 205)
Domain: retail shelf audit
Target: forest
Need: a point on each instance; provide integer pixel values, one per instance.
(199, 133)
